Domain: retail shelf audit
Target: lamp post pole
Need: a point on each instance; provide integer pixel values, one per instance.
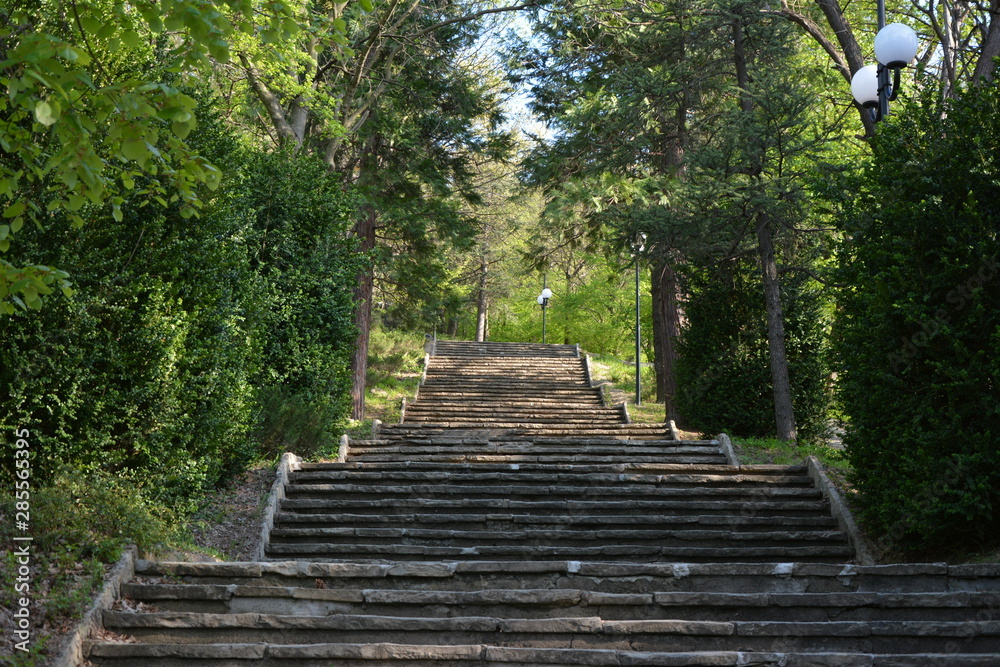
(884, 90)
(543, 301)
(640, 245)
(638, 367)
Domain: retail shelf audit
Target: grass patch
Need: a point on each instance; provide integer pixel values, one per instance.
(617, 379)
(395, 366)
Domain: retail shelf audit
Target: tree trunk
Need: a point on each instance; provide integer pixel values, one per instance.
(784, 414)
(481, 301)
(991, 48)
(666, 327)
(852, 50)
(363, 293)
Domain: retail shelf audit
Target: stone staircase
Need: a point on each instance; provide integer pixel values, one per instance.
(540, 390)
(500, 546)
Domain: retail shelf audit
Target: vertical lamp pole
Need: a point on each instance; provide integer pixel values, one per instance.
(640, 241)
(543, 301)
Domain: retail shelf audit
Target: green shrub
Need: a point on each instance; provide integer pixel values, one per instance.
(724, 373)
(919, 329)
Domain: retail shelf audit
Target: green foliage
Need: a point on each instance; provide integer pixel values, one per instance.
(180, 331)
(82, 124)
(920, 326)
(724, 375)
(80, 520)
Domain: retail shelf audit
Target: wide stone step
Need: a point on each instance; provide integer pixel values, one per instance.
(531, 539)
(552, 492)
(541, 603)
(421, 655)
(780, 577)
(491, 349)
(674, 477)
(506, 522)
(559, 632)
(687, 507)
(623, 454)
(506, 420)
(562, 411)
(364, 551)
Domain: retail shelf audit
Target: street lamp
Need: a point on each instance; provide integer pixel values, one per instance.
(895, 47)
(640, 245)
(543, 301)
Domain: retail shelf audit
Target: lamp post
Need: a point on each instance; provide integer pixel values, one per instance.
(543, 301)
(895, 47)
(640, 245)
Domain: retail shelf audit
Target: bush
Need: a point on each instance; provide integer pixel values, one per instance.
(187, 337)
(724, 373)
(919, 331)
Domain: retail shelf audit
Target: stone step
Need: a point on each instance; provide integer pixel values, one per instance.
(635, 578)
(550, 538)
(624, 431)
(686, 507)
(672, 477)
(500, 493)
(574, 411)
(490, 349)
(541, 603)
(364, 551)
(629, 467)
(623, 453)
(505, 420)
(420, 655)
(505, 522)
(559, 632)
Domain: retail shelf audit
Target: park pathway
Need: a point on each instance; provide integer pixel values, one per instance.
(512, 518)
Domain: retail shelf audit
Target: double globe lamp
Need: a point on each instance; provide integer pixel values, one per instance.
(895, 48)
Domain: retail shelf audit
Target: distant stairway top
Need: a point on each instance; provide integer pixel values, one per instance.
(452, 348)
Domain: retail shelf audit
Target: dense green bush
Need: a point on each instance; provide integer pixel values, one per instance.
(920, 327)
(724, 373)
(186, 337)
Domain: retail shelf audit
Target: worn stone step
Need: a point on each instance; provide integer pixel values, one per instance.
(780, 577)
(557, 632)
(543, 477)
(747, 507)
(660, 453)
(589, 492)
(506, 522)
(459, 457)
(636, 535)
(624, 467)
(626, 552)
(417, 655)
(541, 603)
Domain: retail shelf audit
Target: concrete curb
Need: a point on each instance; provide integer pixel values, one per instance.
(628, 418)
(402, 410)
(423, 376)
(840, 510)
(289, 463)
(344, 449)
(673, 430)
(376, 427)
(123, 571)
(586, 369)
(727, 449)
